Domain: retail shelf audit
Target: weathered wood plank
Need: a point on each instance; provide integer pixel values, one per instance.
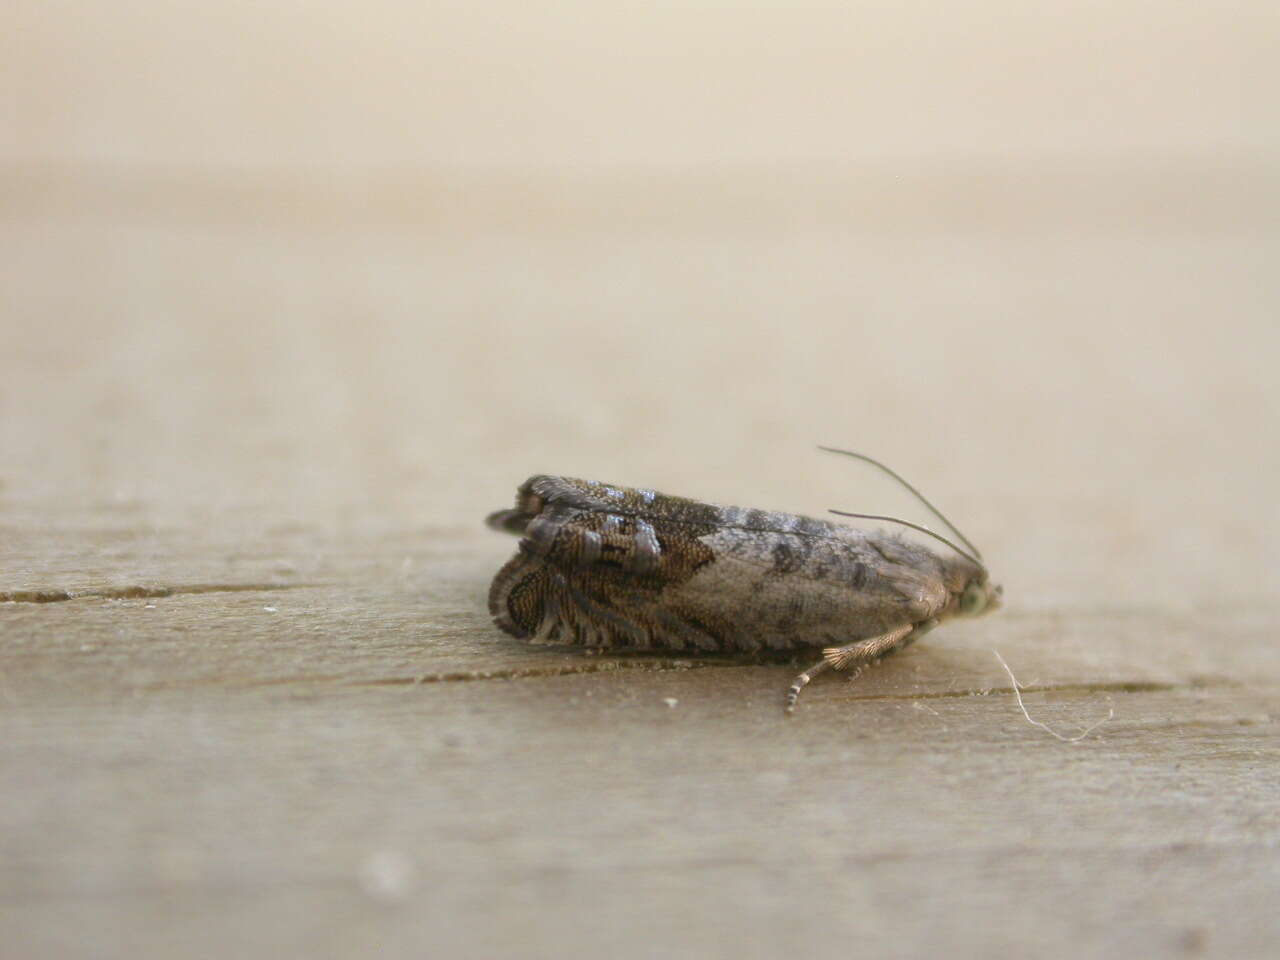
(492, 817)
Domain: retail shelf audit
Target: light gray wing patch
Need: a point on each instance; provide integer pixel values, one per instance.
(648, 552)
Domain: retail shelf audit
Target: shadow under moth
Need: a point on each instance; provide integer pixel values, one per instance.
(618, 568)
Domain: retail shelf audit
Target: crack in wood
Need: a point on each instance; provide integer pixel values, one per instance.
(463, 676)
(669, 664)
(138, 592)
(1120, 686)
(561, 670)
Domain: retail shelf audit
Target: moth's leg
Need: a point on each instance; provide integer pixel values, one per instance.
(864, 651)
(858, 653)
(841, 658)
(802, 681)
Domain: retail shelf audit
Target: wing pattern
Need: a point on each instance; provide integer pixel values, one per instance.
(614, 567)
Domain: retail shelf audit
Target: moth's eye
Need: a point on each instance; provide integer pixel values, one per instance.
(973, 599)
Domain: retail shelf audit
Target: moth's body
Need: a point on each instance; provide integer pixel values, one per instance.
(614, 567)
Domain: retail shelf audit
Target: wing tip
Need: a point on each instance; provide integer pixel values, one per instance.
(508, 521)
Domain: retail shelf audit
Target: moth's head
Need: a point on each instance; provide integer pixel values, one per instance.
(979, 596)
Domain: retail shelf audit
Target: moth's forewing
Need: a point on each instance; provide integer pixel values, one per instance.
(790, 590)
(621, 567)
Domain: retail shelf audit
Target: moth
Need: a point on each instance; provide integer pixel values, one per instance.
(619, 568)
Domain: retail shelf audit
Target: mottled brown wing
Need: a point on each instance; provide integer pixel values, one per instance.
(612, 566)
(783, 591)
(597, 579)
(590, 496)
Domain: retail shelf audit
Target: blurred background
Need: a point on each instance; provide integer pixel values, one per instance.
(373, 264)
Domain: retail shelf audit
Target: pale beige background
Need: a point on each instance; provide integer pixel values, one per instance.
(292, 294)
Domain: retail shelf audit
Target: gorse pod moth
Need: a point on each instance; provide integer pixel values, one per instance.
(611, 567)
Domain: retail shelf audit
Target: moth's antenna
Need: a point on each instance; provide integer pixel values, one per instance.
(918, 495)
(915, 526)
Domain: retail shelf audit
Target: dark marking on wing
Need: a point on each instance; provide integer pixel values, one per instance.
(859, 575)
(788, 556)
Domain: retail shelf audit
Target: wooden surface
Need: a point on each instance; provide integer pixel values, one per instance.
(255, 405)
